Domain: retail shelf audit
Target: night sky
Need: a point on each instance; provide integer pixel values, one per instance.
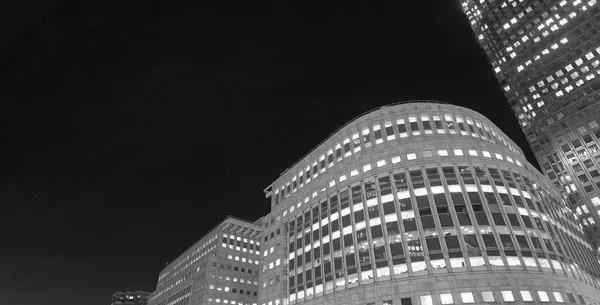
(128, 129)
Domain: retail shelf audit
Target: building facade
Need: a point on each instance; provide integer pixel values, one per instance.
(220, 268)
(546, 57)
(130, 298)
(421, 203)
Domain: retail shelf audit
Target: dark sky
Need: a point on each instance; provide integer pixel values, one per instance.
(128, 129)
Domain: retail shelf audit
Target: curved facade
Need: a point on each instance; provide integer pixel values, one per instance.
(421, 203)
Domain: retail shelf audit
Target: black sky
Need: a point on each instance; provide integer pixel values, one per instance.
(128, 129)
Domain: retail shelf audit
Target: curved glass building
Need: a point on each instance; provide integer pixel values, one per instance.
(421, 203)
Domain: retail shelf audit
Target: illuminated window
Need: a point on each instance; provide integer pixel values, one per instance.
(458, 152)
(487, 296)
(473, 152)
(380, 163)
(366, 137)
(356, 142)
(543, 296)
(508, 296)
(526, 295)
(443, 152)
(353, 173)
(426, 300)
(487, 154)
(366, 168)
(446, 298)
(467, 297)
(558, 296)
(411, 156)
(395, 159)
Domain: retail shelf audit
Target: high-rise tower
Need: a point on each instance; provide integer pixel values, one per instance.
(546, 56)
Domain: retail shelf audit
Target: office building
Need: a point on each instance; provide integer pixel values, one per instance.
(421, 203)
(130, 298)
(546, 57)
(220, 268)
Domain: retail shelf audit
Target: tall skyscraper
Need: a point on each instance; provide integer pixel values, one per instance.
(546, 57)
(220, 268)
(421, 203)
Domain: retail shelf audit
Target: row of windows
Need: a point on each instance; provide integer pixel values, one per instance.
(449, 218)
(502, 179)
(242, 259)
(495, 296)
(489, 296)
(232, 290)
(269, 282)
(227, 301)
(234, 267)
(233, 279)
(418, 124)
(394, 160)
(240, 245)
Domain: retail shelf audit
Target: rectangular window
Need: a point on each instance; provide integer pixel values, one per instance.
(526, 295)
(487, 296)
(438, 124)
(508, 296)
(426, 124)
(389, 131)
(414, 126)
(377, 134)
(356, 142)
(402, 128)
(338, 152)
(347, 149)
(366, 137)
(450, 123)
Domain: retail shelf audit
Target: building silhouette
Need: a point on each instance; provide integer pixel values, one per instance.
(421, 203)
(546, 57)
(130, 298)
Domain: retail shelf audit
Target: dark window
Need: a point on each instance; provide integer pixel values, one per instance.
(446, 220)
(506, 241)
(481, 218)
(396, 249)
(498, 220)
(422, 202)
(489, 241)
(474, 197)
(405, 204)
(389, 208)
(472, 245)
(433, 244)
(491, 199)
(427, 222)
(410, 224)
(457, 199)
(440, 199)
(452, 242)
